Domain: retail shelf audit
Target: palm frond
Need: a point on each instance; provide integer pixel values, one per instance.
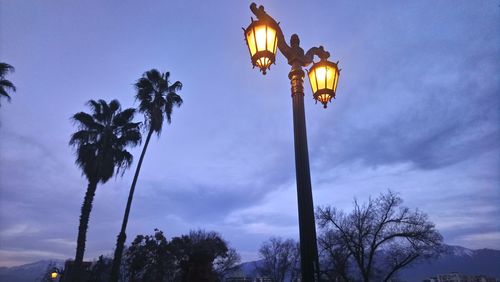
(124, 159)
(85, 121)
(5, 68)
(7, 84)
(130, 138)
(114, 106)
(105, 114)
(4, 93)
(83, 137)
(129, 135)
(153, 75)
(145, 106)
(173, 100)
(124, 117)
(177, 86)
(144, 84)
(95, 107)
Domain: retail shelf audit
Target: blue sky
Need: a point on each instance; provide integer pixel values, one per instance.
(417, 111)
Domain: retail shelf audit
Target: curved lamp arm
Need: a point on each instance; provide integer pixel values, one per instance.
(318, 51)
(262, 15)
(293, 53)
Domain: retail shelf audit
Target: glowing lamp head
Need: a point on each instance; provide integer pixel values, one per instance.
(262, 43)
(324, 77)
(54, 274)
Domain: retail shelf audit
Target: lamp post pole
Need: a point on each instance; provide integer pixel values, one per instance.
(262, 37)
(307, 227)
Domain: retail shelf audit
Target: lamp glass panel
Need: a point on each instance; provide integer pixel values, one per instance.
(275, 43)
(251, 42)
(53, 275)
(321, 74)
(263, 62)
(271, 42)
(324, 98)
(330, 77)
(260, 35)
(336, 81)
(312, 81)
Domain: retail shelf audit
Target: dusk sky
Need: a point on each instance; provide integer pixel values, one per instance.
(417, 112)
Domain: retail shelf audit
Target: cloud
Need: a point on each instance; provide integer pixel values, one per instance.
(61, 241)
(421, 100)
(460, 199)
(13, 257)
(18, 229)
(41, 192)
(479, 240)
(416, 112)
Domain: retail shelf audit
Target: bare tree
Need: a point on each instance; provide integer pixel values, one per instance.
(334, 257)
(281, 259)
(226, 263)
(380, 237)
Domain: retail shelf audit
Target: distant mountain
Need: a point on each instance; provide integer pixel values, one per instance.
(454, 259)
(27, 272)
(248, 269)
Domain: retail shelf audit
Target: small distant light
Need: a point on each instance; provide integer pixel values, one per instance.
(54, 275)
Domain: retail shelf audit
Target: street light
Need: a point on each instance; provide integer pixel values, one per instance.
(324, 77)
(262, 42)
(262, 37)
(56, 273)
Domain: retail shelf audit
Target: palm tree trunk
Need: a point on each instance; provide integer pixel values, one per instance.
(120, 242)
(82, 229)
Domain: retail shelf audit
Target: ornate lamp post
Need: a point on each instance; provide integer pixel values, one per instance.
(262, 37)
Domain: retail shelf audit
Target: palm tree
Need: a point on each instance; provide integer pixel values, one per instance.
(101, 142)
(4, 83)
(157, 98)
